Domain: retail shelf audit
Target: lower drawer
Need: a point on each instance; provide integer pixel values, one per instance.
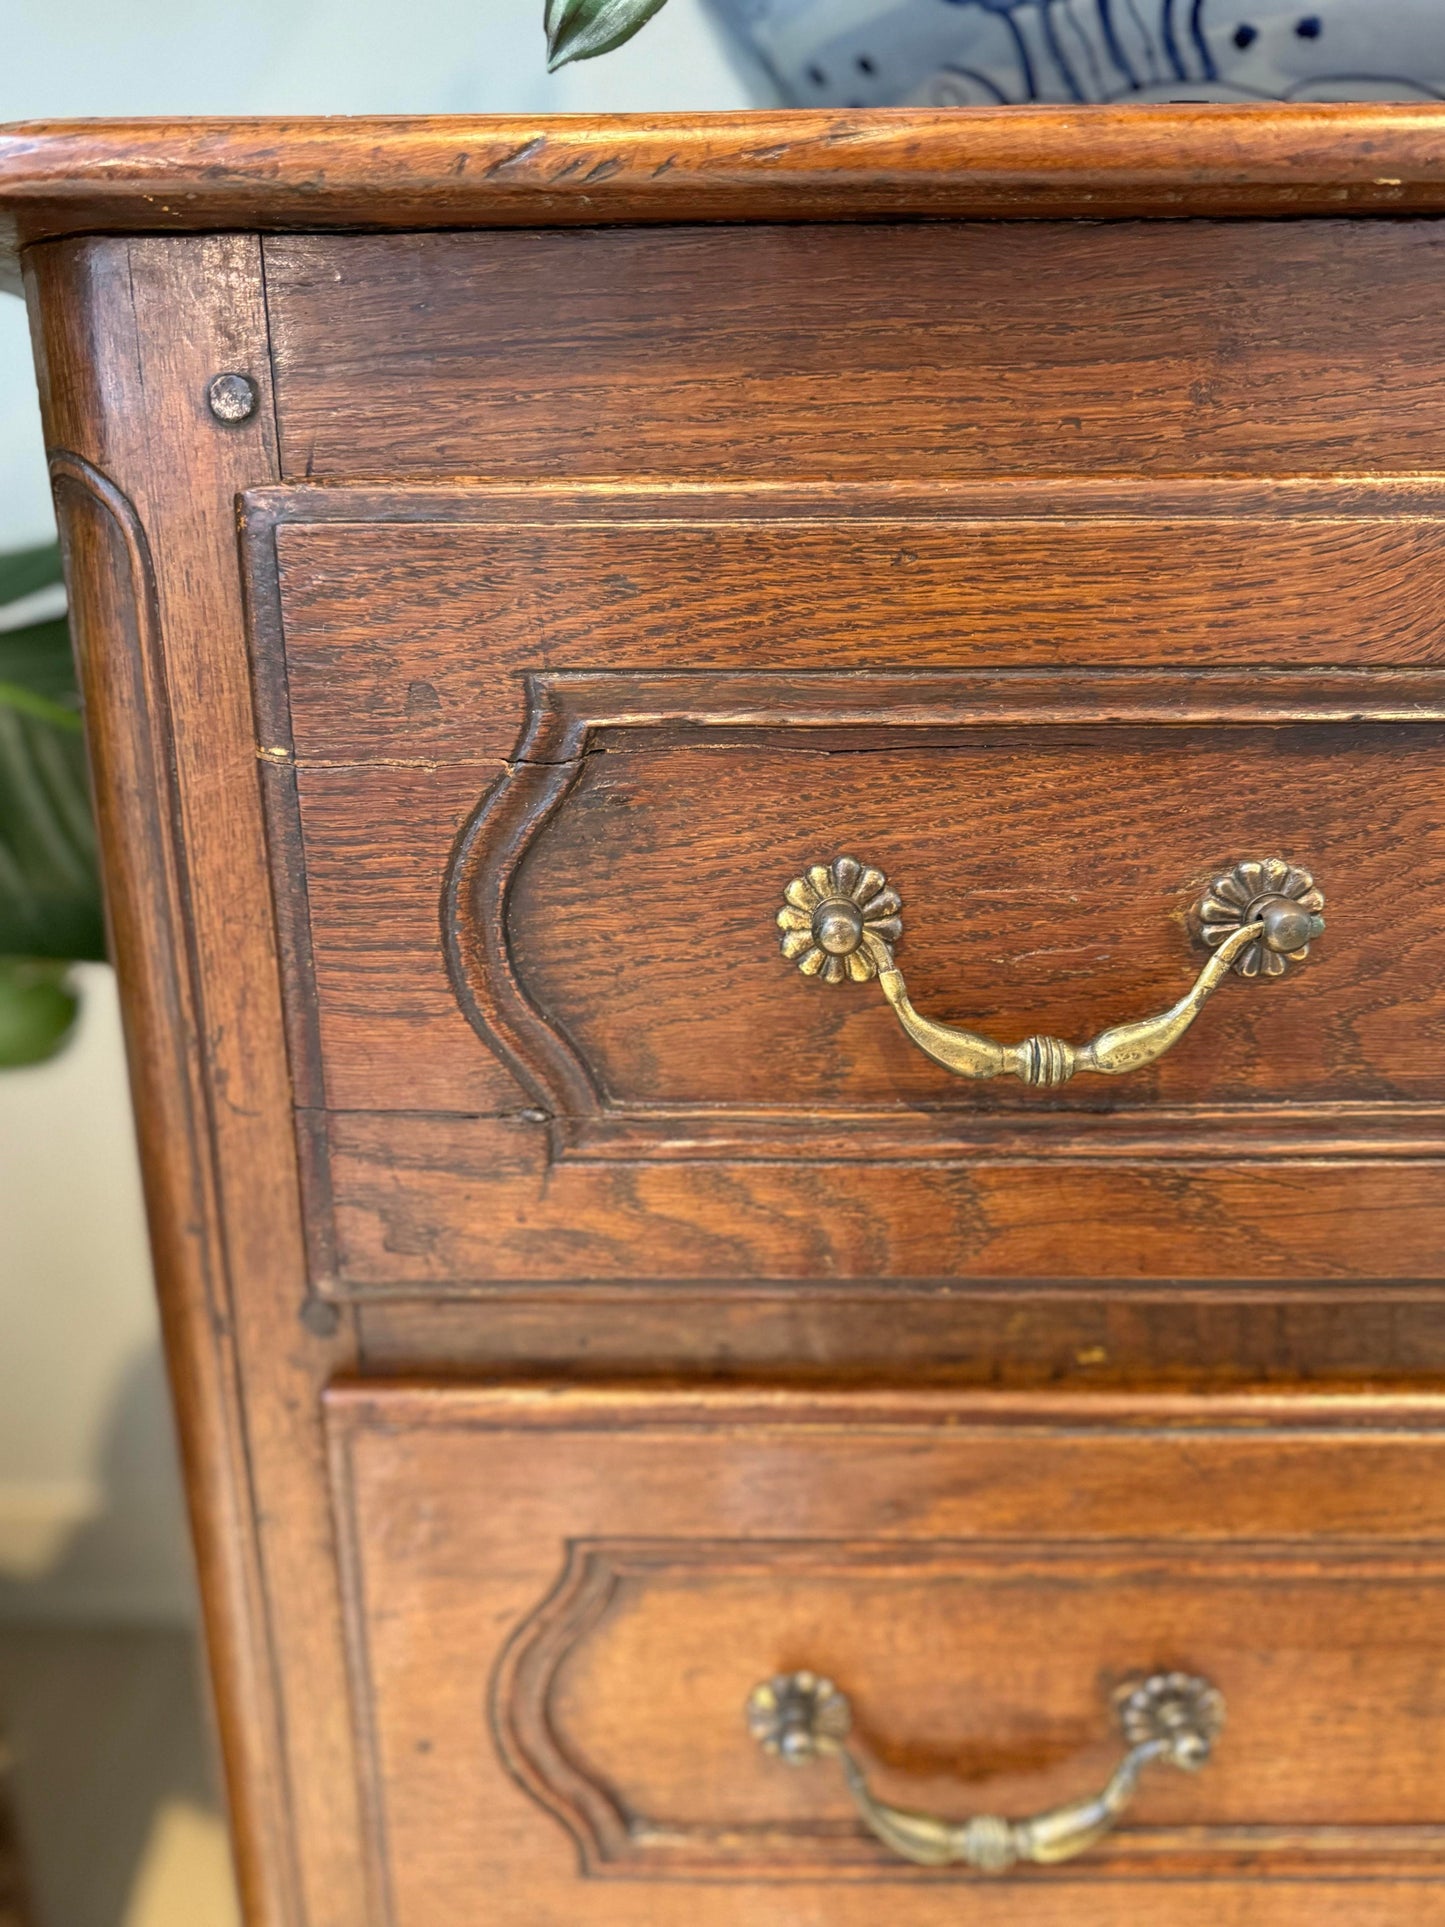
(562, 1600)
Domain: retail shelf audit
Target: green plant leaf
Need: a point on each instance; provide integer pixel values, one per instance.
(27, 570)
(38, 1009)
(30, 702)
(37, 659)
(582, 29)
(49, 886)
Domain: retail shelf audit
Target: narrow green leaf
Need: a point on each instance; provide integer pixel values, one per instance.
(38, 1009)
(38, 658)
(12, 696)
(49, 887)
(27, 570)
(50, 909)
(582, 29)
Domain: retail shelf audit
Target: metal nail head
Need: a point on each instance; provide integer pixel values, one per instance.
(233, 398)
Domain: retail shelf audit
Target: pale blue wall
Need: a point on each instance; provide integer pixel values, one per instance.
(81, 57)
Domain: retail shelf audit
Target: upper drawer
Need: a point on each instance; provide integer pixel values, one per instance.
(543, 763)
(562, 1600)
(908, 351)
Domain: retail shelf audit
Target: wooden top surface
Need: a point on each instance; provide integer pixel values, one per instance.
(153, 176)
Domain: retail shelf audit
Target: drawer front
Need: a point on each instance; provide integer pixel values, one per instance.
(915, 351)
(563, 1600)
(541, 764)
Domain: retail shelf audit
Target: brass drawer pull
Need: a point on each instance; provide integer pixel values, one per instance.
(1170, 1717)
(841, 921)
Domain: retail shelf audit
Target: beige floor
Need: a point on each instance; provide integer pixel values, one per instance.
(113, 1780)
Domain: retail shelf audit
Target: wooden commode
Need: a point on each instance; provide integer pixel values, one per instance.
(773, 792)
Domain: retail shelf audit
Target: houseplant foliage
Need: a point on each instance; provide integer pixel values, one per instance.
(50, 912)
(582, 29)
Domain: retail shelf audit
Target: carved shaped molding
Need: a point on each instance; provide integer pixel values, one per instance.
(569, 714)
(615, 1842)
(124, 673)
(123, 670)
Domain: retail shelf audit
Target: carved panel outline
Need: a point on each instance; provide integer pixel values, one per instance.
(614, 1843)
(567, 713)
(149, 907)
(1394, 1130)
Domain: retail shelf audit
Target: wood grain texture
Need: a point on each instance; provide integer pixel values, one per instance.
(395, 671)
(406, 650)
(1007, 912)
(859, 353)
(129, 333)
(756, 524)
(643, 1795)
(66, 177)
(387, 1026)
(914, 1547)
(1017, 919)
(448, 1205)
(405, 643)
(115, 623)
(1031, 1337)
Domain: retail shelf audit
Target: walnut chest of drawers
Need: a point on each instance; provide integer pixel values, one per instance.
(772, 799)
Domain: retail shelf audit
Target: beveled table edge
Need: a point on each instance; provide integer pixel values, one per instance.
(1263, 160)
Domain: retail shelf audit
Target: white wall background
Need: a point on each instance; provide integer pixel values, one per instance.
(89, 1505)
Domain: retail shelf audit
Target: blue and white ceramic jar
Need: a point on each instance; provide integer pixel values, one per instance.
(883, 53)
